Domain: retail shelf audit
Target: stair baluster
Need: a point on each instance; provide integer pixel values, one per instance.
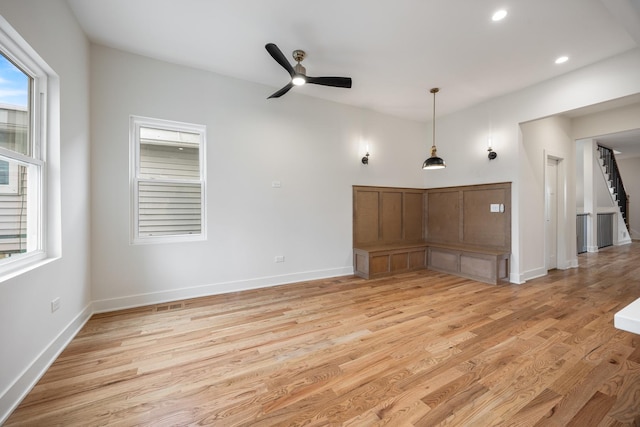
(611, 167)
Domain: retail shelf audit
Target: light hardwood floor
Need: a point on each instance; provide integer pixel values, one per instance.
(418, 349)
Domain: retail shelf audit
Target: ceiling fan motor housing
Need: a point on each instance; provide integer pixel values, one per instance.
(299, 69)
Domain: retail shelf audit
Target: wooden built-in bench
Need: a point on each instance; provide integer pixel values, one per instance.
(463, 230)
(483, 264)
(384, 259)
(473, 262)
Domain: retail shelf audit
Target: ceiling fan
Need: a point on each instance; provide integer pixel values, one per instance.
(299, 73)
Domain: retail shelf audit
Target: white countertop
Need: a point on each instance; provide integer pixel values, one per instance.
(628, 319)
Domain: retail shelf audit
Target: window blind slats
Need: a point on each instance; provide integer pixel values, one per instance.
(165, 210)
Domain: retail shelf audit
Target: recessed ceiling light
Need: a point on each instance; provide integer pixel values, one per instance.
(562, 59)
(499, 15)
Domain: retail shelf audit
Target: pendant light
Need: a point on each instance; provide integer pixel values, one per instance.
(434, 162)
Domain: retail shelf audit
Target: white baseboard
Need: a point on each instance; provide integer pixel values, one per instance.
(17, 391)
(570, 263)
(516, 279)
(625, 241)
(532, 274)
(139, 300)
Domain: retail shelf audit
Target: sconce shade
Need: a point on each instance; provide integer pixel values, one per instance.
(434, 162)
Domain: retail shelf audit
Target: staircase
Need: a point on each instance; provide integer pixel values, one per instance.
(614, 181)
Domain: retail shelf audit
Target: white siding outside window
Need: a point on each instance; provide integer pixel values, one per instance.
(167, 181)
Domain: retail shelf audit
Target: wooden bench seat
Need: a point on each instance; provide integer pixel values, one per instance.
(478, 263)
(382, 259)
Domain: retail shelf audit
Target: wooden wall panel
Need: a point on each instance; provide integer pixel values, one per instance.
(413, 216)
(452, 215)
(443, 216)
(391, 212)
(462, 215)
(365, 216)
(481, 227)
(387, 215)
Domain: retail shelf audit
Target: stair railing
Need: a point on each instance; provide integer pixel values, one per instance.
(611, 167)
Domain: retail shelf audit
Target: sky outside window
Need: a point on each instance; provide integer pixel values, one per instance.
(14, 84)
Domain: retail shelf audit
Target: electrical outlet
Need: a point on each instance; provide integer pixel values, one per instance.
(279, 258)
(55, 304)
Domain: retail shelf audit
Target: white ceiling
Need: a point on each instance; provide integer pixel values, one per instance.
(394, 51)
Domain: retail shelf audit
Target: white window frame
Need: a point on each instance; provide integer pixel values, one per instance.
(135, 123)
(20, 53)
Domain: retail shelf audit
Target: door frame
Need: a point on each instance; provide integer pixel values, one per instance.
(561, 210)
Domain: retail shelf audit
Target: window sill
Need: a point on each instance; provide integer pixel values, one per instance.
(23, 266)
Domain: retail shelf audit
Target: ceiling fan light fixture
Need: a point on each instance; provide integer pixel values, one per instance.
(298, 80)
(434, 162)
(300, 73)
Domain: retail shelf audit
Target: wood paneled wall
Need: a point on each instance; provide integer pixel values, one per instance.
(452, 215)
(462, 215)
(387, 215)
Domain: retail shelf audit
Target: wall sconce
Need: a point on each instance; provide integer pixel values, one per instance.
(492, 154)
(365, 159)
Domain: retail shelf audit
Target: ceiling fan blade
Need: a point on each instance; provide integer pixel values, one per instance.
(277, 54)
(282, 91)
(330, 81)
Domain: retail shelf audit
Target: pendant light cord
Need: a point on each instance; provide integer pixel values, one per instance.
(433, 141)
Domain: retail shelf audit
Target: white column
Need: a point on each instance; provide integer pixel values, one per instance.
(590, 203)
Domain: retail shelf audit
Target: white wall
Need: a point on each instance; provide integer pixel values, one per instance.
(30, 334)
(312, 147)
(548, 138)
(606, 122)
(630, 172)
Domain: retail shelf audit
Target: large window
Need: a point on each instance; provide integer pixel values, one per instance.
(167, 181)
(22, 130)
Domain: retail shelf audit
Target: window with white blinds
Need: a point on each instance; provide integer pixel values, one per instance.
(168, 179)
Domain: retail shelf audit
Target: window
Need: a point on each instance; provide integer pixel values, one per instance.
(167, 181)
(23, 90)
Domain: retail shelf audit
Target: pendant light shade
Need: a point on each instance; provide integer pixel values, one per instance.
(434, 162)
